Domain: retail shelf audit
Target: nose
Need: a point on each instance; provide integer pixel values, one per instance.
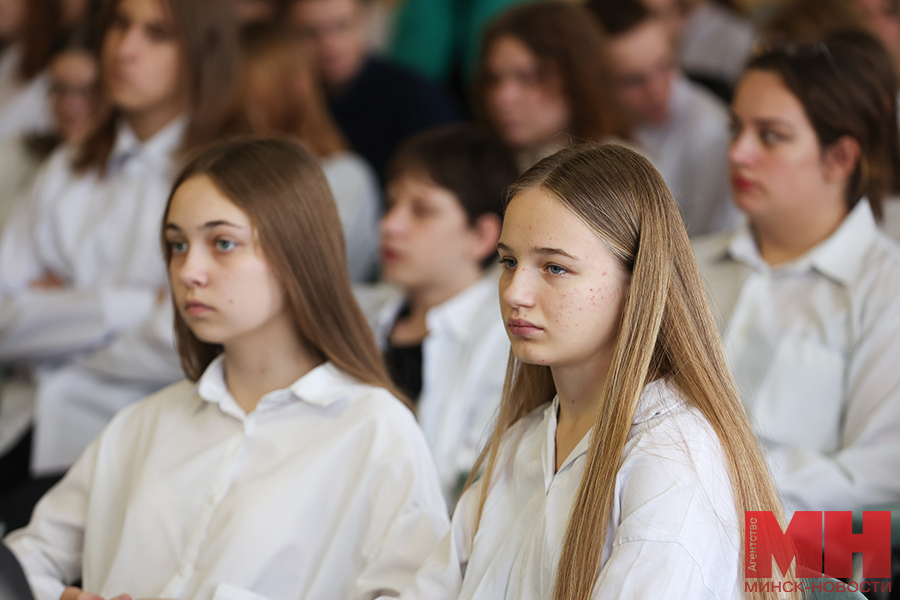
(504, 93)
(516, 289)
(127, 43)
(191, 270)
(741, 150)
(394, 221)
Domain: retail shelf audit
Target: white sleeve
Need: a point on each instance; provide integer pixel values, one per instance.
(407, 519)
(145, 354)
(441, 575)
(37, 324)
(50, 547)
(863, 470)
(358, 198)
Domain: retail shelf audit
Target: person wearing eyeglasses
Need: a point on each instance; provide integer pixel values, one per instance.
(682, 128)
(807, 292)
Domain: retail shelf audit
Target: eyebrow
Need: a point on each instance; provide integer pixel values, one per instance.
(764, 121)
(541, 251)
(207, 225)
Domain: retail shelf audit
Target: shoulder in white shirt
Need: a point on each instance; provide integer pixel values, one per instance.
(24, 105)
(716, 42)
(814, 347)
(464, 360)
(691, 152)
(358, 197)
(673, 532)
(325, 490)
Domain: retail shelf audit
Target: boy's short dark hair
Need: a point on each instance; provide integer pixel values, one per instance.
(465, 159)
(618, 17)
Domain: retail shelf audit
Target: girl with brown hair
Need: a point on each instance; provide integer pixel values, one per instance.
(286, 466)
(808, 291)
(543, 80)
(80, 271)
(281, 93)
(622, 461)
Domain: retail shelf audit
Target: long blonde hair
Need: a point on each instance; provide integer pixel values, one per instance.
(667, 331)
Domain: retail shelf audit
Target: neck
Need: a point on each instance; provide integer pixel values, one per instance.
(253, 368)
(148, 123)
(579, 390)
(422, 299)
(785, 238)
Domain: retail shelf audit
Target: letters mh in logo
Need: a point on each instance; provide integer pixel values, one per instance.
(822, 543)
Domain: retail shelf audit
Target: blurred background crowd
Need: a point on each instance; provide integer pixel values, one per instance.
(422, 112)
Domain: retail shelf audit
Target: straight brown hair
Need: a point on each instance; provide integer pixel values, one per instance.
(279, 80)
(282, 188)
(208, 35)
(40, 38)
(667, 331)
(568, 43)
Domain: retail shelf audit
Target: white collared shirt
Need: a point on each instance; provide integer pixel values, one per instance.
(815, 349)
(464, 361)
(673, 531)
(100, 234)
(357, 195)
(691, 152)
(716, 42)
(325, 490)
(24, 105)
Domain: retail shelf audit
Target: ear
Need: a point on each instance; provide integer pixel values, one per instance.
(841, 159)
(485, 235)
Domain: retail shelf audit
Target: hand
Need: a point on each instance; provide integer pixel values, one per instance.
(50, 281)
(74, 593)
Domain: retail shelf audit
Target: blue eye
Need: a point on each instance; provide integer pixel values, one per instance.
(508, 263)
(556, 270)
(224, 245)
(178, 247)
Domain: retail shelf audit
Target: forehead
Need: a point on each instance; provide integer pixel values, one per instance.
(536, 219)
(303, 12)
(763, 95)
(146, 11)
(198, 201)
(508, 52)
(642, 47)
(74, 64)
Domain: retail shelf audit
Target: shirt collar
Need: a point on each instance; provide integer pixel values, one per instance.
(455, 316)
(840, 256)
(322, 386)
(155, 152)
(657, 398)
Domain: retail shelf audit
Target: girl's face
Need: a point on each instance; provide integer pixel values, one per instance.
(777, 165)
(562, 290)
(527, 109)
(223, 286)
(73, 92)
(142, 59)
(426, 240)
(12, 19)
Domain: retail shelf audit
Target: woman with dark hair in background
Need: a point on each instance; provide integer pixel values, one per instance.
(808, 291)
(81, 280)
(543, 81)
(281, 93)
(285, 466)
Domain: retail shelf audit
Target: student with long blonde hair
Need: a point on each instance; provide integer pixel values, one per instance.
(622, 461)
(285, 466)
